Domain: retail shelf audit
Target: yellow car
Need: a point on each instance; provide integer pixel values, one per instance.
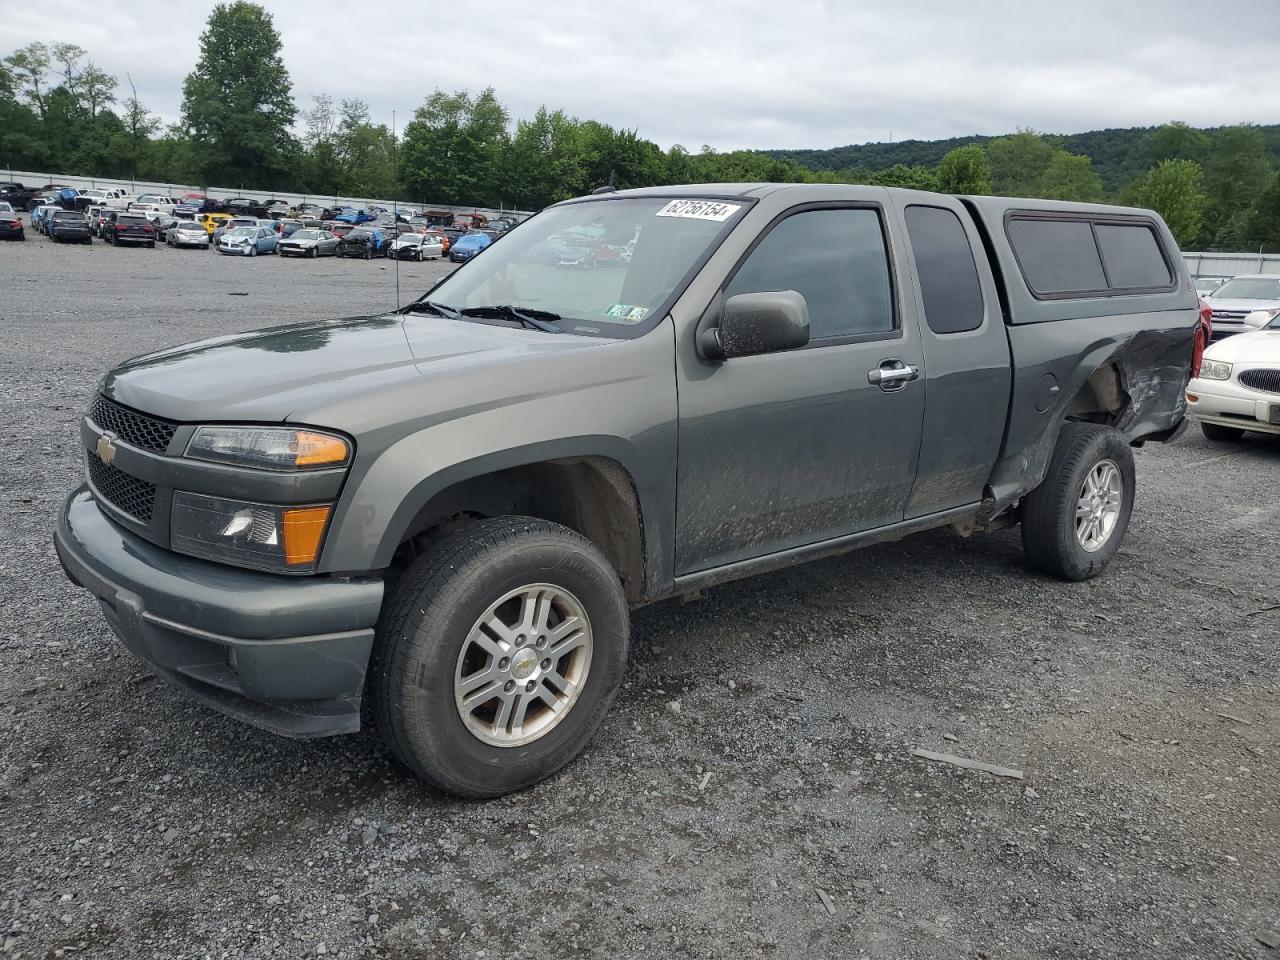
(212, 221)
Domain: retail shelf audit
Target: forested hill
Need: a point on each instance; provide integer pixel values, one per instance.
(1117, 154)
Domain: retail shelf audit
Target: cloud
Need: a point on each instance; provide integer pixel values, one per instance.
(805, 73)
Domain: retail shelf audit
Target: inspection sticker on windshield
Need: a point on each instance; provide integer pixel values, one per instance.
(700, 210)
(625, 311)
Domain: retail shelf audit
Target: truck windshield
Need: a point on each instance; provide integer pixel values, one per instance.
(605, 267)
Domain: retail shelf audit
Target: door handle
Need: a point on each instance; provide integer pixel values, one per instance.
(893, 374)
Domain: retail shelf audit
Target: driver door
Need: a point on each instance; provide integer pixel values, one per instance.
(786, 449)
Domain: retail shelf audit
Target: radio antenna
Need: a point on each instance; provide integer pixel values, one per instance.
(395, 203)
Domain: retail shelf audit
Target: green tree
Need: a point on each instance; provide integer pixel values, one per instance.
(1019, 162)
(1236, 172)
(1175, 141)
(453, 147)
(96, 89)
(965, 170)
(1070, 177)
(29, 67)
(543, 163)
(1264, 224)
(1173, 190)
(236, 102)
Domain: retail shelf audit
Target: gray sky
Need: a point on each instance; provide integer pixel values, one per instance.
(735, 73)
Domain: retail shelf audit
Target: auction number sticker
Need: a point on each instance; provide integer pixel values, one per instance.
(700, 210)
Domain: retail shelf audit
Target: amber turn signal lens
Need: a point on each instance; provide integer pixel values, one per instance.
(1193, 398)
(303, 530)
(316, 449)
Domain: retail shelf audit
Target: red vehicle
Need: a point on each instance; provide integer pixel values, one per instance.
(1204, 336)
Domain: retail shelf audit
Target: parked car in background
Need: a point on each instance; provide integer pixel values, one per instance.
(211, 221)
(11, 225)
(187, 233)
(125, 227)
(68, 225)
(441, 237)
(1206, 285)
(365, 242)
(226, 226)
(39, 214)
(354, 216)
(1238, 387)
(244, 207)
(466, 247)
(248, 241)
(308, 242)
(288, 225)
(338, 228)
(416, 246)
(15, 193)
(1241, 296)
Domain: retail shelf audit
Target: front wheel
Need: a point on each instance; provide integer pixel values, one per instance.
(1220, 434)
(1073, 523)
(253, 251)
(498, 655)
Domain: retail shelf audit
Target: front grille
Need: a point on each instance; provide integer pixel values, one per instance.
(124, 492)
(135, 429)
(1266, 380)
(1230, 314)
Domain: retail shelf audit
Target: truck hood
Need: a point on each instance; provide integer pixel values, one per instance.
(281, 373)
(1245, 306)
(1256, 346)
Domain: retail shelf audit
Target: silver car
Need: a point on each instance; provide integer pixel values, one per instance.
(1241, 296)
(308, 242)
(187, 233)
(248, 241)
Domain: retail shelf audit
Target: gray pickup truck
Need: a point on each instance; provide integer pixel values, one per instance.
(440, 517)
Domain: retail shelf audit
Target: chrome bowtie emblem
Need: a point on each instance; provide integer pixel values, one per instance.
(105, 449)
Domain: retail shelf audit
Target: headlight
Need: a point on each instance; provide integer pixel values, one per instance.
(261, 536)
(1214, 370)
(269, 448)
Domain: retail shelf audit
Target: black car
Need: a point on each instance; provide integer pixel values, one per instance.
(244, 207)
(364, 242)
(124, 227)
(69, 225)
(11, 227)
(16, 194)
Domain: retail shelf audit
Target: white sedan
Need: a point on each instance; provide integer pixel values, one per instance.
(417, 246)
(1238, 388)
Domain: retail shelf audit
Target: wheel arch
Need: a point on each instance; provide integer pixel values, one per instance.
(586, 487)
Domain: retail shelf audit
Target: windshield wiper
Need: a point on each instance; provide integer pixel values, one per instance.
(442, 309)
(543, 320)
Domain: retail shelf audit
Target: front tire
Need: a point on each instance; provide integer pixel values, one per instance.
(1074, 522)
(498, 655)
(1217, 433)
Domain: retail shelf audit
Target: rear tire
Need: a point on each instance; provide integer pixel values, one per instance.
(429, 628)
(1069, 529)
(1219, 434)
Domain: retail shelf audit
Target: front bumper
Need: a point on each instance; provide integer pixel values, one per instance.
(284, 654)
(1226, 403)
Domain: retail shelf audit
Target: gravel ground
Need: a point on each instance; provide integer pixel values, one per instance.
(753, 792)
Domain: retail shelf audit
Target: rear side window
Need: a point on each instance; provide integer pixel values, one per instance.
(837, 260)
(1066, 258)
(1057, 256)
(1132, 256)
(949, 283)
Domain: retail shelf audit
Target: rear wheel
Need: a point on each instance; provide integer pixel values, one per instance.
(1220, 434)
(1073, 523)
(498, 655)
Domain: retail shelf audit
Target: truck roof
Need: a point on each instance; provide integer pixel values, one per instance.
(989, 206)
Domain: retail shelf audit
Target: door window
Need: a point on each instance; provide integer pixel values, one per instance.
(949, 283)
(837, 260)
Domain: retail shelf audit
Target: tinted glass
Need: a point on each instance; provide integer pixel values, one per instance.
(1249, 288)
(949, 281)
(836, 260)
(1057, 256)
(1132, 256)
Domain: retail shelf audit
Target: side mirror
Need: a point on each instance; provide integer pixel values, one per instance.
(1257, 320)
(755, 323)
